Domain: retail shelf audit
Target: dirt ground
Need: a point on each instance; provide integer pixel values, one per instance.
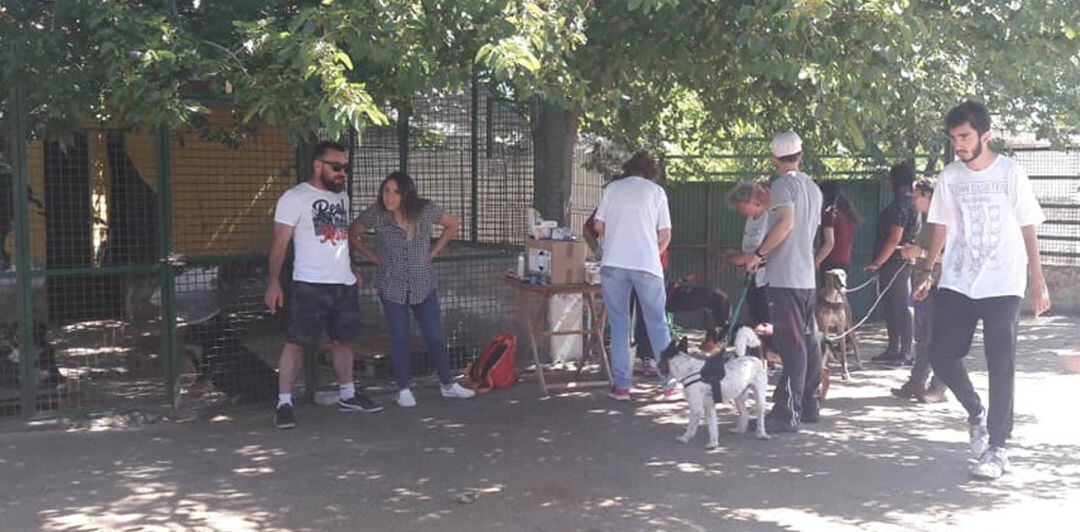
(578, 461)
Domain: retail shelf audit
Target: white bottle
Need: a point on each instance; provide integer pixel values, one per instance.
(521, 266)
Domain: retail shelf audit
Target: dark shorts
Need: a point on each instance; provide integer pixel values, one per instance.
(314, 308)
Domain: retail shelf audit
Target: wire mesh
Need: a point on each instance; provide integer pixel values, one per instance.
(1055, 177)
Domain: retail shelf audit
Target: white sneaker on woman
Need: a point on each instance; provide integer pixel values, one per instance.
(456, 391)
(405, 398)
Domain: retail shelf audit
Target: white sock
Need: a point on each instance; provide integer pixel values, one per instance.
(284, 399)
(347, 391)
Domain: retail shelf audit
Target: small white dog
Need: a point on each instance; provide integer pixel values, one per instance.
(741, 375)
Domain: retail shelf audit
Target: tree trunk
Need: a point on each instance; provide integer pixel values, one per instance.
(554, 136)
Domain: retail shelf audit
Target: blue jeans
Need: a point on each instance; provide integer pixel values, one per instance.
(615, 287)
(429, 317)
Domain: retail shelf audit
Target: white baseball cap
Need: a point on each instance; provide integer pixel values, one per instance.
(786, 143)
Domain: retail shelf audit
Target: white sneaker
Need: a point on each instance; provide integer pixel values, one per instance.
(456, 391)
(991, 465)
(405, 398)
(980, 439)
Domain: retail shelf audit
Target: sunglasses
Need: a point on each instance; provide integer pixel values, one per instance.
(337, 167)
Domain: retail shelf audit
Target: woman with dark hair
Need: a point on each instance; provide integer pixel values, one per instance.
(634, 221)
(839, 219)
(402, 223)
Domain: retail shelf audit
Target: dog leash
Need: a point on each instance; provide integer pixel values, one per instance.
(860, 287)
(738, 310)
(880, 296)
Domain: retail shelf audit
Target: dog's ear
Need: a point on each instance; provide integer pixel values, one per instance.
(684, 344)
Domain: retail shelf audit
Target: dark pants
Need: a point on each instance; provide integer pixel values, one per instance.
(641, 334)
(429, 317)
(796, 335)
(956, 317)
(924, 320)
(898, 319)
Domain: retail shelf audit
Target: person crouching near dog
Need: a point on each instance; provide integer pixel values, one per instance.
(402, 223)
(985, 212)
(794, 216)
(751, 200)
(915, 387)
(635, 223)
(314, 216)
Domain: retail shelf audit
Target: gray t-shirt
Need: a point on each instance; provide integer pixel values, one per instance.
(791, 264)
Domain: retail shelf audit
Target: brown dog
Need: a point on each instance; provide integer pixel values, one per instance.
(833, 314)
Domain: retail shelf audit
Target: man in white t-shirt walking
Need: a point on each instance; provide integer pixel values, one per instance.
(794, 217)
(634, 220)
(314, 216)
(984, 211)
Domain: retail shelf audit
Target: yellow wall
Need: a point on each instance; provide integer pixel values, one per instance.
(223, 198)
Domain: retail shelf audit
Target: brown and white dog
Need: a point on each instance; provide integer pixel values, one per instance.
(742, 375)
(833, 314)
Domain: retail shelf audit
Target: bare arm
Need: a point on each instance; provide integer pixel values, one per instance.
(275, 297)
(896, 232)
(592, 241)
(450, 226)
(1037, 293)
(357, 243)
(599, 226)
(663, 239)
(828, 241)
(933, 255)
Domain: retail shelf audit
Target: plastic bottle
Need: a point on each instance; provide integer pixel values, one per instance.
(521, 266)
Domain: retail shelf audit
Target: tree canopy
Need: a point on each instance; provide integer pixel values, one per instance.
(849, 75)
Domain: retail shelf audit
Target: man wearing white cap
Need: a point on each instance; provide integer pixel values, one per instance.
(795, 213)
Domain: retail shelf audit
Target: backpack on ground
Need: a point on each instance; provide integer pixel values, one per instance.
(494, 368)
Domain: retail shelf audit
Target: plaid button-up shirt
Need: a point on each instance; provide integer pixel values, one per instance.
(405, 276)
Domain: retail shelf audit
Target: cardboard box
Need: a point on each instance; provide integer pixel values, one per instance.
(562, 260)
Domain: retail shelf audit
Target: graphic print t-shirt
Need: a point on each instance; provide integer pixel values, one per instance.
(320, 220)
(983, 212)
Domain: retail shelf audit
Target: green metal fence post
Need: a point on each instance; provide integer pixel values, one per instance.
(474, 162)
(20, 187)
(166, 275)
(403, 140)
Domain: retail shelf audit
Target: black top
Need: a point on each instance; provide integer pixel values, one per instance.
(900, 213)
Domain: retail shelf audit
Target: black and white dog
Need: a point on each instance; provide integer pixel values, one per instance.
(48, 373)
(740, 376)
(222, 359)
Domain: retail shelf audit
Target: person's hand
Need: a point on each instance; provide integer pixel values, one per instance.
(274, 298)
(1038, 295)
(922, 290)
(752, 263)
(359, 278)
(872, 267)
(911, 251)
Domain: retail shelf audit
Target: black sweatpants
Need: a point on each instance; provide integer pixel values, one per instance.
(955, 317)
(898, 317)
(796, 335)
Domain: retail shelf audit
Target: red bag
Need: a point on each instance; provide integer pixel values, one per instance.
(494, 368)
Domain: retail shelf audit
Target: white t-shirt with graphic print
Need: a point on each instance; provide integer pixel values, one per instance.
(983, 212)
(320, 221)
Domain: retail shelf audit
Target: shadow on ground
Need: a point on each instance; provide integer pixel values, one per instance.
(513, 461)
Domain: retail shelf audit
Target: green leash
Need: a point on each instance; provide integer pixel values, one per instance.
(738, 310)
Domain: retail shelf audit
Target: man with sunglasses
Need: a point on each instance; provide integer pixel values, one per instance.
(314, 216)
